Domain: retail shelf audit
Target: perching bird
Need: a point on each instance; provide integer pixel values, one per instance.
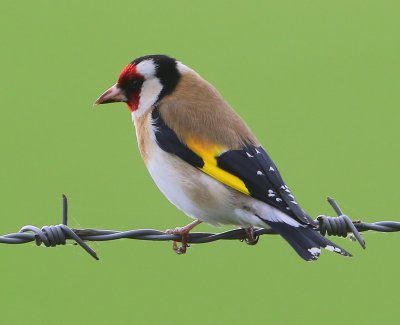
(205, 159)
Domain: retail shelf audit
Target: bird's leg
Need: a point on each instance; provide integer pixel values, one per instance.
(184, 232)
(251, 239)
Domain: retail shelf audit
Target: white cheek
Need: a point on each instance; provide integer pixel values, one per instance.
(148, 96)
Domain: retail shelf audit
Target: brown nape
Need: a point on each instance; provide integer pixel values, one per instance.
(197, 109)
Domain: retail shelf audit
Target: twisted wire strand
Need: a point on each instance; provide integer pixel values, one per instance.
(52, 236)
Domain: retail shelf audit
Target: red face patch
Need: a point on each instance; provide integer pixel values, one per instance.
(133, 101)
(131, 81)
(128, 73)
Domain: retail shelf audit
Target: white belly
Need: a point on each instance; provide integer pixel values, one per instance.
(190, 190)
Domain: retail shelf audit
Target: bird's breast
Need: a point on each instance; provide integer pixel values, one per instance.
(145, 135)
(189, 189)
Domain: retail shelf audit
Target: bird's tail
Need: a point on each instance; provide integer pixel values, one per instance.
(306, 240)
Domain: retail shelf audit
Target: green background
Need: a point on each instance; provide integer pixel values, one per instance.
(317, 81)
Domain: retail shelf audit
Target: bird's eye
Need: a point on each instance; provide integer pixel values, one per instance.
(132, 85)
(136, 83)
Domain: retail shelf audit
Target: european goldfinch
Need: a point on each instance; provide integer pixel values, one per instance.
(205, 159)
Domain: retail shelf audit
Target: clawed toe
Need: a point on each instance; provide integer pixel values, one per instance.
(251, 239)
(184, 233)
(179, 249)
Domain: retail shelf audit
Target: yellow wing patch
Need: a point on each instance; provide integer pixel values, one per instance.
(208, 152)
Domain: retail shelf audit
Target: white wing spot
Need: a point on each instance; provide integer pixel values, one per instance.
(271, 193)
(248, 155)
(333, 249)
(257, 151)
(315, 251)
(271, 169)
(278, 199)
(294, 202)
(259, 172)
(330, 248)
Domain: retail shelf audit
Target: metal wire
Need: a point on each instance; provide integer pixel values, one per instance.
(51, 236)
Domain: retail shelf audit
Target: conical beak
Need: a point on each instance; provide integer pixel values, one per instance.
(111, 95)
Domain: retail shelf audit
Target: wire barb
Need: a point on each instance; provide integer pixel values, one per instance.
(340, 225)
(52, 236)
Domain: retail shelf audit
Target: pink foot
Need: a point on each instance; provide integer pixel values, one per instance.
(251, 239)
(184, 233)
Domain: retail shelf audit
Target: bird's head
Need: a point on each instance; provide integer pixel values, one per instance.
(143, 82)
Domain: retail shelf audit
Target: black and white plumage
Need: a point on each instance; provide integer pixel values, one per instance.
(204, 158)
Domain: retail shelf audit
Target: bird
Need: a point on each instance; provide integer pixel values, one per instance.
(205, 159)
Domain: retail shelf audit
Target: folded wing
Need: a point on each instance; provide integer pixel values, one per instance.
(248, 170)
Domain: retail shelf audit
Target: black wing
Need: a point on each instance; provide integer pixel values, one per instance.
(261, 176)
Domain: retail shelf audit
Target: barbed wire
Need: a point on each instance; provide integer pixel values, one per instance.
(52, 236)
